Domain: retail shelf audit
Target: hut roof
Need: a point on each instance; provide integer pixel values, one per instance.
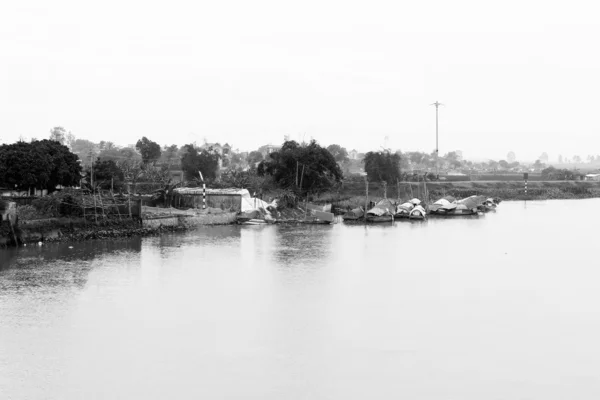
(213, 192)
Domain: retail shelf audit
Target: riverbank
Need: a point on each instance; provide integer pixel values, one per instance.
(79, 229)
(353, 194)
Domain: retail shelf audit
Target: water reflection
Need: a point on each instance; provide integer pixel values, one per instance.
(59, 264)
(343, 311)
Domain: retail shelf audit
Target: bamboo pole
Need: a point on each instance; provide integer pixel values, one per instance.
(102, 206)
(83, 205)
(12, 229)
(367, 197)
(116, 205)
(129, 199)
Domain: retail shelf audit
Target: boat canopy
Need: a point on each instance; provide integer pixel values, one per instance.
(355, 213)
(471, 202)
(445, 203)
(383, 207)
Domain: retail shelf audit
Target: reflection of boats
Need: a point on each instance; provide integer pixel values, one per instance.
(354, 215)
(383, 211)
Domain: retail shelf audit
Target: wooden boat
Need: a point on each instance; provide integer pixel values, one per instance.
(405, 210)
(443, 206)
(468, 206)
(253, 222)
(418, 212)
(354, 215)
(317, 216)
(383, 211)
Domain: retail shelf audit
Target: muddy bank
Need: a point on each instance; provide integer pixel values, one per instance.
(78, 229)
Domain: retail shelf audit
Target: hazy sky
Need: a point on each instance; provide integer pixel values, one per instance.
(513, 75)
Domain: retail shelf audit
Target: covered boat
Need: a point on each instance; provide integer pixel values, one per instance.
(404, 210)
(491, 203)
(316, 214)
(383, 211)
(354, 215)
(418, 212)
(443, 206)
(470, 205)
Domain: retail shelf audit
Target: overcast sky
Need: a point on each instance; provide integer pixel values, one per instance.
(513, 75)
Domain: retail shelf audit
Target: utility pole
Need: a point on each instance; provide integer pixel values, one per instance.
(437, 104)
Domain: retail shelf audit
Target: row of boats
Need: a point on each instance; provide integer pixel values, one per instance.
(387, 210)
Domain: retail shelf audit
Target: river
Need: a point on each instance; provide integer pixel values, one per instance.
(504, 306)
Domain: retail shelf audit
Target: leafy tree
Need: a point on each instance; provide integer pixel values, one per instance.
(107, 173)
(149, 150)
(553, 174)
(538, 165)
(170, 154)
(382, 166)
(453, 159)
(339, 153)
(41, 164)
(254, 157)
(503, 163)
(206, 161)
(544, 157)
(560, 159)
(58, 134)
(511, 157)
(576, 159)
(84, 149)
(305, 167)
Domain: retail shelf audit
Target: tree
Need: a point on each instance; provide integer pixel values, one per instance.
(576, 159)
(304, 167)
(382, 166)
(503, 164)
(149, 150)
(339, 153)
(170, 154)
(560, 159)
(254, 158)
(205, 161)
(41, 164)
(107, 175)
(544, 157)
(511, 157)
(538, 165)
(85, 150)
(553, 174)
(453, 159)
(58, 134)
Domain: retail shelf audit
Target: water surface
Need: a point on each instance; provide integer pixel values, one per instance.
(505, 306)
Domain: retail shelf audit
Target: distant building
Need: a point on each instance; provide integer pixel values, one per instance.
(353, 155)
(268, 149)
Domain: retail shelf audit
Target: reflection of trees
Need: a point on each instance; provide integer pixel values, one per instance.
(307, 244)
(57, 265)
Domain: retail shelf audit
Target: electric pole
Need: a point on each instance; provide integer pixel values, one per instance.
(437, 104)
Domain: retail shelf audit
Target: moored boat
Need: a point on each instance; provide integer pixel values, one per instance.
(354, 215)
(418, 212)
(383, 211)
(405, 210)
(443, 206)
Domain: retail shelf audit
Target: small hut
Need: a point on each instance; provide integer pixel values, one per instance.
(225, 199)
